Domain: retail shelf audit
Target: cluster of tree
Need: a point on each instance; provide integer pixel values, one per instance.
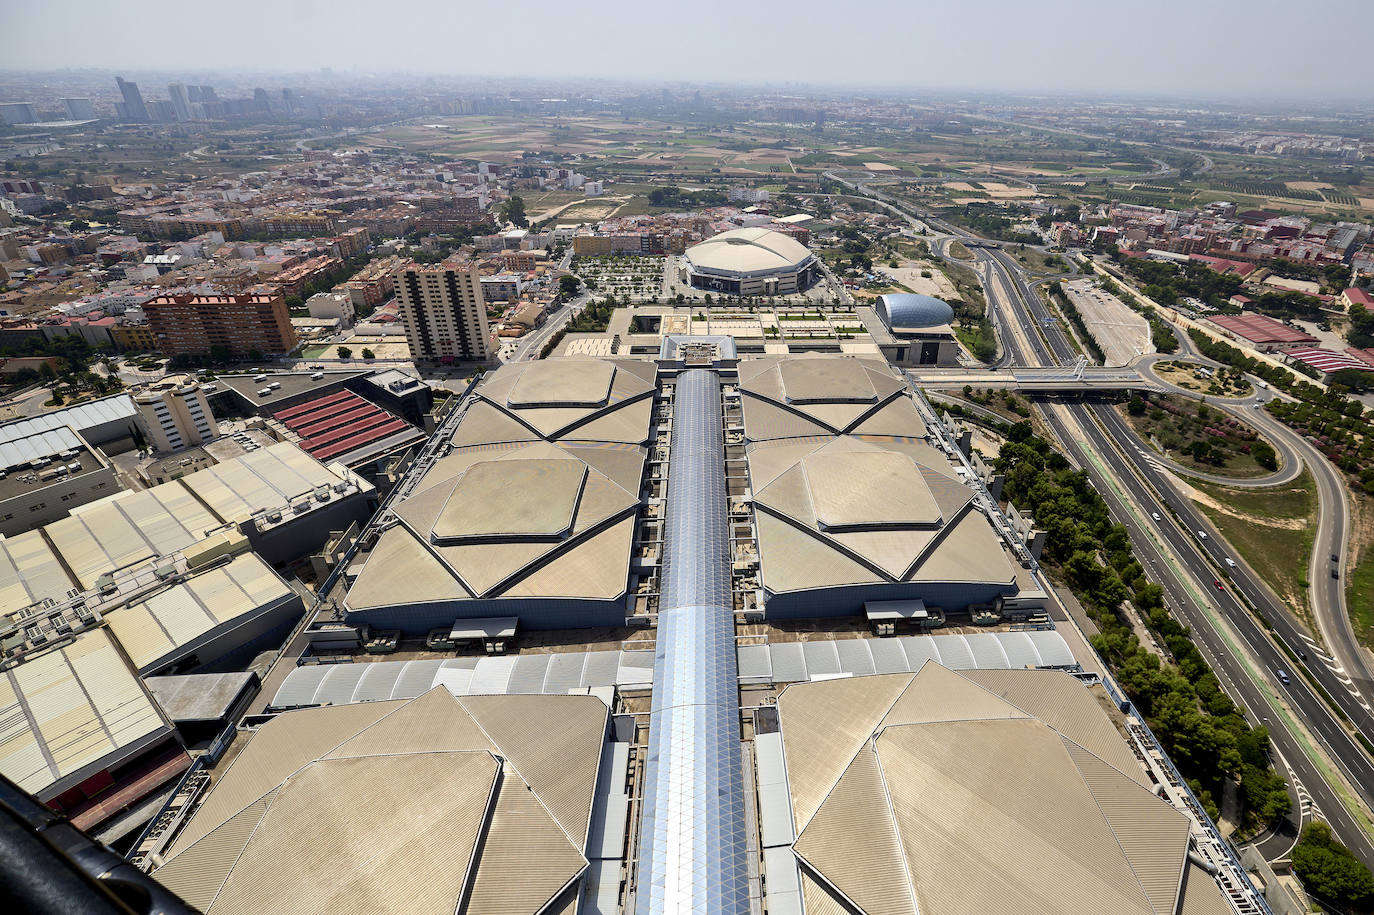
(1201, 729)
(676, 198)
(74, 353)
(1168, 284)
(594, 317)
(1337, 425)
(987, 220)
(1361, 333)
(1161, 333)
(1330, 871)
(1334, 276)
(1071, 310)
(513, 211)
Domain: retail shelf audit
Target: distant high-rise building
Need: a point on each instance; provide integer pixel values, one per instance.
(79, 109)
(443, 311)
(261, 102)
(174, 413)
(288, 98)
(160, 111)
(180, 100)
(207, 94)
(134, 108)
(17, 113)
(244, 325)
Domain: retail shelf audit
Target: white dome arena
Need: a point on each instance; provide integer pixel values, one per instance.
(751, 262)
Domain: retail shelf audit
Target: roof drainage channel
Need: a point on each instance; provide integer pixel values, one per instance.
(692, 841)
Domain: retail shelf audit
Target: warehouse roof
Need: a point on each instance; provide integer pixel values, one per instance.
(975, 792)
(525, 520)
(129, 527)
(80, 417)
(173, 622)
(537, 498)
(556, 673)
(68, 713)
(600, 400)
(29, 571)
(338, 425)
(1261, 329)
(495, 793)
(269, 478)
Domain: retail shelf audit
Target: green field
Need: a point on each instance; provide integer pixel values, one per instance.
(1271, 528)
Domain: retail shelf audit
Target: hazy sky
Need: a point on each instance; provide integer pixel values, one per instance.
(1253, 48)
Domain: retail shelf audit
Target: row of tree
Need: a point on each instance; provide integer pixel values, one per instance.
(1202, 730)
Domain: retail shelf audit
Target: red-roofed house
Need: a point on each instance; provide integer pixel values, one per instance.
(1352, 297)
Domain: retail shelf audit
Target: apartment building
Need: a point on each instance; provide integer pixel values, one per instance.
(175, 414)
(443, 311)
(243, 324)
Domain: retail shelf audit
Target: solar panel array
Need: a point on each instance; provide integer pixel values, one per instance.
(693, 839)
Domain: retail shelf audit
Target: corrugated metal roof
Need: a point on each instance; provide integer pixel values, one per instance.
(548, 674)
(80, 417)
(775, 802)
(70, 712)
(793, 662)
(17, 451)
(1001, 750)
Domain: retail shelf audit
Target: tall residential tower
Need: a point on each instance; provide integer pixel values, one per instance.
(444, 313)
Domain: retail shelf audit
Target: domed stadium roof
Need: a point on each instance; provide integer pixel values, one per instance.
(748, 251)
(908, 311)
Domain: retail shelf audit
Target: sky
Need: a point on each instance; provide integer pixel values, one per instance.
(1194, 48)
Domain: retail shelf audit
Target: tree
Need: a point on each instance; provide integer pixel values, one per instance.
(568, 286)
(368, 354)
(1329, 870)
(345, 352)
(513, 211)
(1136, 405)
(1264, 455)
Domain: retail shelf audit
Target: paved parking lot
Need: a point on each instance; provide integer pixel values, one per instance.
(1122, 334)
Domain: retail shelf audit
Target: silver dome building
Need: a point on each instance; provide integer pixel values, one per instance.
(915, 329)
(751, 262)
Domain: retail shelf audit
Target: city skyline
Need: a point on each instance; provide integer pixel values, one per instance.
(988, 46)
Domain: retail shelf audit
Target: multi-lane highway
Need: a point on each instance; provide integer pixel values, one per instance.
(1235, 644)
(1239, 650)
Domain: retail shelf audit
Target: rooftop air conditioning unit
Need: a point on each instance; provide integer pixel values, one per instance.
(273, 517)
(259, 378)
(301, 507)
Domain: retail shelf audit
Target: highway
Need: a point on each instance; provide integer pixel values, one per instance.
(1174, 560)
(1294, 714)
